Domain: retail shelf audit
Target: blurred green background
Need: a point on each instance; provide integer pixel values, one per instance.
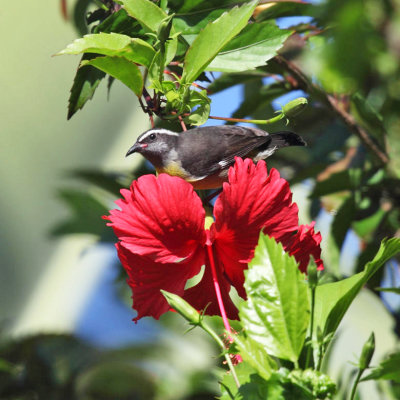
(39, 146)
(47, 284)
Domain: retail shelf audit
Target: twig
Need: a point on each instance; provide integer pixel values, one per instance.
(251, 121)
(182, 123)
(305, 84)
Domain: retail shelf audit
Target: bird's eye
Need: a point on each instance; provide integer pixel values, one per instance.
(152, 136)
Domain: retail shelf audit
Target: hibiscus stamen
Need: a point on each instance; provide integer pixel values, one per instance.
(217, 287)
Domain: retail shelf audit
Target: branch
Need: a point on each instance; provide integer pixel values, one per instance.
(305, 84)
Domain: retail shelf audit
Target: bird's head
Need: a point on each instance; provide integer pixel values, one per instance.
(155, 145)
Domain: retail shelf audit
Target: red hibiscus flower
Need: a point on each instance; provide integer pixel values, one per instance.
(163, 241)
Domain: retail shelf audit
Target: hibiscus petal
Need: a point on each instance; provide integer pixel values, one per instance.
(147, 278)
(303, 244)
(161, 218)
(252, 200)
(203, 297)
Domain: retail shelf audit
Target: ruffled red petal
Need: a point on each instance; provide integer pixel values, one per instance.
(252, 200)
(303, 244)
(146, 278)
(161, 218)
(203, 297)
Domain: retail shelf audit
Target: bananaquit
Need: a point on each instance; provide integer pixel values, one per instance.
(202, 156)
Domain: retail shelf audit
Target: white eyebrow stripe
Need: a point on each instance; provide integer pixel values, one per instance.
(164, 131)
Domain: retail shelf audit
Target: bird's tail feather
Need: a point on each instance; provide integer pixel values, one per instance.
(286, 138)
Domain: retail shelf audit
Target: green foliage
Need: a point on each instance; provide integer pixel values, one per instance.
(254, 353)
(213, 38)
(276, 313)
(346, 63)
(387, 369)
(119, 68)
(86, 81)
(113, 44)
(87, 211)
(146, 12)
(333, 299)
(253, 47)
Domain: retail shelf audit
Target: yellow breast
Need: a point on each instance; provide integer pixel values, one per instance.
(174, 169)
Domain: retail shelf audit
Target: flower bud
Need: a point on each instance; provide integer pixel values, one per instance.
(312, 275)
(367, 352)
(164, 29)
(182, 307)
(294, 107)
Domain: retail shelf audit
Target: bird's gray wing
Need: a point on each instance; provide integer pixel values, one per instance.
(213, 149)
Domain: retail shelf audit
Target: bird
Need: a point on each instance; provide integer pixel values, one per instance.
(202, 156)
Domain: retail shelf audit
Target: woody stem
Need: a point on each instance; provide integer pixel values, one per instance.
(217, 289)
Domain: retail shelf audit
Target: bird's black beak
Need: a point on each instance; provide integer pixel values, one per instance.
(135, 148)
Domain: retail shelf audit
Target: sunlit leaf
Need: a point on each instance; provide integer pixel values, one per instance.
(213, 38)
(145, 11)
(113, 44)
(254, 46)
(333, 299)
(255, 355)
(277, 310)
(121, 69)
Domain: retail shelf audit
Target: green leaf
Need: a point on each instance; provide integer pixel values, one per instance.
(145, 11)
(367, 226)
(389, 289)
(333, 299)
(387, 369)
(86, 81)
(277, 311)
(336, 182)
(200, 115)
(228, 386)
(86, 214)
(255, 45)
(199, 6)
(170, 49)
(79, 15)
(120, 22)
(252, 386)
(369, 117)
(213, 38)
(113, 44)
(111, 182)
(193, 23)
(154, 72)
(255, 355)
(342, 222)
(121, 69)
